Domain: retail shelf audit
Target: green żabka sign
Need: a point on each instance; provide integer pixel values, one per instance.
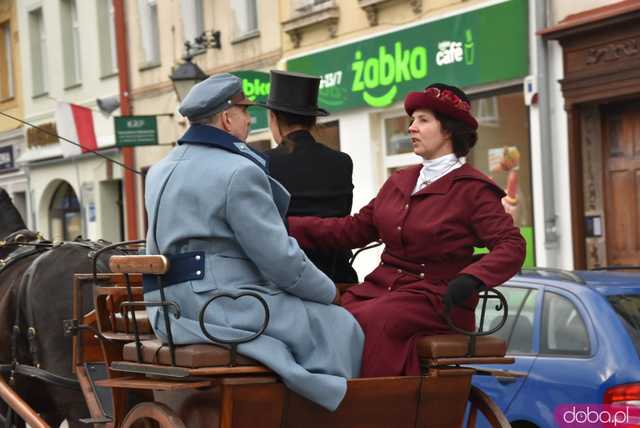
(255, 85)
(136, 130)
(477, 47)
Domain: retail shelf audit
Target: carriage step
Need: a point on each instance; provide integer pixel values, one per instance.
(96, 372)
(149, 369)
(152, 384)
(91, 421)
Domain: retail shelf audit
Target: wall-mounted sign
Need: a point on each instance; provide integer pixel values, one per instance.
(136, 130)
(593, 226)
(46, 134)
(6, 158)
(255, 85)
(477, 47)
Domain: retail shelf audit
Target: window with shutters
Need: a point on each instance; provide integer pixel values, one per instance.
(107, 38)
(38, 51)
(70, 28)
(149, 32)
(6, 62)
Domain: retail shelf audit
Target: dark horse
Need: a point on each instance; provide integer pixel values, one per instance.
(36, 290)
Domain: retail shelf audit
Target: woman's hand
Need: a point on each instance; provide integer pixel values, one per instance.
(460, 289)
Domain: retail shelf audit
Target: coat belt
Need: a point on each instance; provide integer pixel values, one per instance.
(437, 271)
(182, 267)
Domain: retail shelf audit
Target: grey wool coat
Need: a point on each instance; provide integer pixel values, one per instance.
(212, 193)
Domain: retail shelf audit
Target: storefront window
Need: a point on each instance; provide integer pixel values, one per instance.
(397, 138)
(64, 213)
(328, 133)
(397, 148)
(502, 152)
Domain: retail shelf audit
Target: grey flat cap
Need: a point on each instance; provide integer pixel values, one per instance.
(213, 95)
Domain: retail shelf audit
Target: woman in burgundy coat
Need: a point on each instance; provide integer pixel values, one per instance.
(430, 217)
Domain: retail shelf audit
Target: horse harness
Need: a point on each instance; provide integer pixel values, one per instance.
(26, 244)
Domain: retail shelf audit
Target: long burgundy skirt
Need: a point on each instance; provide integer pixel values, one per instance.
(391, 323)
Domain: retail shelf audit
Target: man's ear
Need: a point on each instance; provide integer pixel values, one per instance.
(225, 120)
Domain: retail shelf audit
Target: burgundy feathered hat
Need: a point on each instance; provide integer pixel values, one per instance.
(444, 99)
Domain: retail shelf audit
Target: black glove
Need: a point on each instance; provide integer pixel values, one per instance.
(460, 289)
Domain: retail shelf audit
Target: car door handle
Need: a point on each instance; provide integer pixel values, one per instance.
(505, 380)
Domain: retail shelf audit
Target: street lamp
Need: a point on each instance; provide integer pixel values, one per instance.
(187, 74)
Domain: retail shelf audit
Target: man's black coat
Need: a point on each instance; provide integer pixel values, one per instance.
(319, 180)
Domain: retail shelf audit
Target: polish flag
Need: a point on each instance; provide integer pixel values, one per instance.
(75, 123)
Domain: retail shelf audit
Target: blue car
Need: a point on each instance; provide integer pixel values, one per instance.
(575, 337)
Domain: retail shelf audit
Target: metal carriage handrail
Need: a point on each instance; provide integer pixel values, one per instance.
(233, 343)
(485, 296)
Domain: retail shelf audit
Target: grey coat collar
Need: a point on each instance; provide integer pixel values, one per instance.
(214, 137)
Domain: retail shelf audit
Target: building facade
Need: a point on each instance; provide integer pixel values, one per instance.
(511, 56)
(68, 52)
(594, 51)
(557, 126)
(12, 178)
(370, 54)
(249, 45)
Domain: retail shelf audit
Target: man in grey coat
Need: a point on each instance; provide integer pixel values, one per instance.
(214, 210)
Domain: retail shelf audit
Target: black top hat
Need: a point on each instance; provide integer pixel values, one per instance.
(295, 93)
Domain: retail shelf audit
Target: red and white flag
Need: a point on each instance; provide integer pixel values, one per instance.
(75, 123)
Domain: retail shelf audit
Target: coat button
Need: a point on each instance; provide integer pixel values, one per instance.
(388, 288)
(399, 227)
(406, 206)
(198, 272)
(421, 275)
(198, 257)
(399, 270)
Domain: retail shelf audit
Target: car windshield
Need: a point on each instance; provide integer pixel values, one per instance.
(628, 308)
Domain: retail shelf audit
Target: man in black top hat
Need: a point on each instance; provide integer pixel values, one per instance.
(318, 178)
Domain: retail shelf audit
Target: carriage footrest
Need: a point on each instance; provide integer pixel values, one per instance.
(95, 373)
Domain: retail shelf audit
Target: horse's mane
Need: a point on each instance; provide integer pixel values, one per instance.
(10, 218)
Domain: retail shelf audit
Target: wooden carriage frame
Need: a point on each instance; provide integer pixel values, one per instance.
(127, 376)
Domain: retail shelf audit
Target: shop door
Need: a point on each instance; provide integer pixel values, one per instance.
(622, 183)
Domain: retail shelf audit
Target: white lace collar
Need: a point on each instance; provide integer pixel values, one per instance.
(432, 169)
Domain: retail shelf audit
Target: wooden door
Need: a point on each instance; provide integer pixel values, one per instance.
(621, 137)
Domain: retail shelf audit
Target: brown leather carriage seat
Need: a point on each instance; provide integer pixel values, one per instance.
(189, 356)
(457, 346)
(432, 350)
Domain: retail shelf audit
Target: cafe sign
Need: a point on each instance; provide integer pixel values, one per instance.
(481, 46)
(255, 85)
